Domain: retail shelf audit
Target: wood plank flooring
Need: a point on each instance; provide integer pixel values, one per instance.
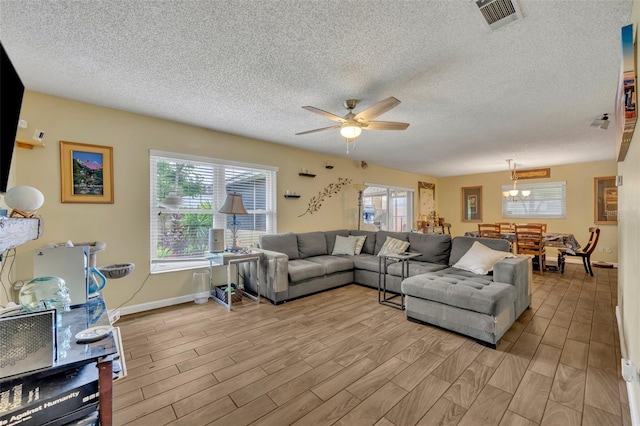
(340, 358)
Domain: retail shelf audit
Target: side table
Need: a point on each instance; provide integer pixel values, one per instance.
(383, 263)
(229, 259)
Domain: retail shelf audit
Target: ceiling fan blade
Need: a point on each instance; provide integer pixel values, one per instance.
(376, 109)
(385, 125)
(318, 130)
(325, 114)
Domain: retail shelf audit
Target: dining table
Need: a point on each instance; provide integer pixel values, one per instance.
(549, 239)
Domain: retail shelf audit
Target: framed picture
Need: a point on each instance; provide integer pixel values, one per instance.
(472, 204)
(86, 173)
(427, 199)
(605, 200)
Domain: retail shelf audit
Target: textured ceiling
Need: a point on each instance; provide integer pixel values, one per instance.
(473, 97)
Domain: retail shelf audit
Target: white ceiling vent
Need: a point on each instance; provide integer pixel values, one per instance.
(498, 13)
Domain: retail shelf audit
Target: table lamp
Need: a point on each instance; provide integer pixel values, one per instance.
(233, 205)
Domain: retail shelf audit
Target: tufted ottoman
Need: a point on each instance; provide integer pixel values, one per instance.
(470, 304)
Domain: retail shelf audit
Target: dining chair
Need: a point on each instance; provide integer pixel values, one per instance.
(529, 241)
(543, 225)
(584, 253)
(505, 227)
(488, 230)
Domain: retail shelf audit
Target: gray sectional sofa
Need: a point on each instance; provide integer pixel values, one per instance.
(482, 306)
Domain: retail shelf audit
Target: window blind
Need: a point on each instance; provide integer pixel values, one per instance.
(547, 200)
(180, 229)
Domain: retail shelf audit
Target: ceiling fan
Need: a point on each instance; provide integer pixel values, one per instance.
(351, 125)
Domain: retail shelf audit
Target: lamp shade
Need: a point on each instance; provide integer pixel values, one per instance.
(350, 131)
(233, 205)
(24, 198)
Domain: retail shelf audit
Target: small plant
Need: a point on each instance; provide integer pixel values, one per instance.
(333, 188)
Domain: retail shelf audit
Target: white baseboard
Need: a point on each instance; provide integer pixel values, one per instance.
(633, 408)
(126, 310)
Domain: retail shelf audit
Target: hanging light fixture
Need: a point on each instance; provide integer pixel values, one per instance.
(512, 194)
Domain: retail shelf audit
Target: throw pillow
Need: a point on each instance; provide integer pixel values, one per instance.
(344, 245)
(480, 259)
(393, 246)
(359, 244)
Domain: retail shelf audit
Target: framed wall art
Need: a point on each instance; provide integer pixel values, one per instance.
(472, 204)
(605, 200)
(86, 173)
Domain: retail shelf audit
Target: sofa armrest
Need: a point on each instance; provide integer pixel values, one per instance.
(517, 272)
(274, 273)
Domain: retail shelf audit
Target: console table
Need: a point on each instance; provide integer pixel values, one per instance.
(71, 355)
(228, 259)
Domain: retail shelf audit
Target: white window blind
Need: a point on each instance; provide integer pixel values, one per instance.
(547, 200)
(388, 208)
(180, 231)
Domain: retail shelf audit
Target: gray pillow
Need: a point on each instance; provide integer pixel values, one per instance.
(434, 248)
(286, 243)
(311, 244)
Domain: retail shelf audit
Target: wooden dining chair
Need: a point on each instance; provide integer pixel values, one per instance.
(529, 241)
(543, 225)
(584, 253)
(488, 230)
(505, 227)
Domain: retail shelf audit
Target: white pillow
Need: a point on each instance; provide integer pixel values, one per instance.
(480, 259)
(359, 244)
(344, 245)
(393, 246)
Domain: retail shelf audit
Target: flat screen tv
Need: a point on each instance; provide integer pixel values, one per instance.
(11, 92)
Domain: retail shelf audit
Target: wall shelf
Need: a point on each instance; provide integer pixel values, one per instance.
(291, 196)
(22, 143)
(311, 175)
(17, 231)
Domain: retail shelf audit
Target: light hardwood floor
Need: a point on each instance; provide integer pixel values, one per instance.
(340, 358)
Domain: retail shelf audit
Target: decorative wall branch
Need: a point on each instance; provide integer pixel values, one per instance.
(333, 188)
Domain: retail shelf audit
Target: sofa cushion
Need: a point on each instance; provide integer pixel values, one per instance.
(330, 236)
(286, 243)
(480, 259)
(360, 239)
(460, 245)
(368, 262)
(472, 293)
(370, 243)
(393, 246)
(333, 263)
(302, 269)
(415, 268)
(311, 244)
(344, 245)
(381, 238)
(434, 248)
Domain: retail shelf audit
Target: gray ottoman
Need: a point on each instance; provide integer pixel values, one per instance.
(463, 302)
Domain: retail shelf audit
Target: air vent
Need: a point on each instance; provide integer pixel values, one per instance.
(498, 13)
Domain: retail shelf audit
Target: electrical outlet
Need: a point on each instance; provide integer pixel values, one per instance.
(601, 250)
(608, 250)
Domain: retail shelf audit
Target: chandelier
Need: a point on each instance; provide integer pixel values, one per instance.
(513, 194)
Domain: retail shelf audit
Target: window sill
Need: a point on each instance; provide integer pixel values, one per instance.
(176, 266)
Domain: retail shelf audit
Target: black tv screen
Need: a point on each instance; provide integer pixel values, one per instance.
(11, 92)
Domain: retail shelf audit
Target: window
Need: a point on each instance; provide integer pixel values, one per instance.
(198, 187)
(547, 200)
(388, 208)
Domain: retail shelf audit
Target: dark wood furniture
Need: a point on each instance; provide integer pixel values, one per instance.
(584, 253)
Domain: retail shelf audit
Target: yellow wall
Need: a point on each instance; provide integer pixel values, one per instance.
(124, 225)
(580, 210)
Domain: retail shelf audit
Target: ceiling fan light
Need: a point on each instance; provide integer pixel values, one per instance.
(350, 131)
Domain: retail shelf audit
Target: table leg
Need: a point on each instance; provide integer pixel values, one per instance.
(105, 388)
